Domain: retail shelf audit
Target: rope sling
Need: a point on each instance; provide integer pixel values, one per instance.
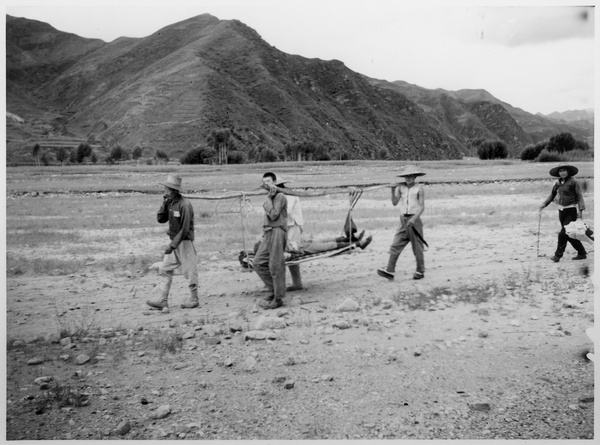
(354, 195)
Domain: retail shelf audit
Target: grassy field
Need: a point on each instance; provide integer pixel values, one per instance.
(217, 179)
(59, 234)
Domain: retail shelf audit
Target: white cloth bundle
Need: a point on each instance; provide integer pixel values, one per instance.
(579, 230)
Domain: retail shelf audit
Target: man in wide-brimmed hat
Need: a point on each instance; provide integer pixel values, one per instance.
(410, 197)
(179, 213)
(566, 194)
(269, 261)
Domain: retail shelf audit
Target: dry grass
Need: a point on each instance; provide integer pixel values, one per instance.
(63, 233)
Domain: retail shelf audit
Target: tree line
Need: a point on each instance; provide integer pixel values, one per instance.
(222, 147)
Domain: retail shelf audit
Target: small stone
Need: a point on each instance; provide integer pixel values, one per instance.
(417, 352)
(64, 357)
(289, 384)
(327, 378)
(65, 341)
(480, 406)
(265, 322)
(82, 359)
(43, 379)
(212, 341)
(289, 361)
(188, 335)
(162, 412)
(304, 341)
(279, 379)
(35, 361)
(349, 305)
(483, 334)
(249, 364)
(123, 428)
(341, 324)
(180, 365)
(515, 323)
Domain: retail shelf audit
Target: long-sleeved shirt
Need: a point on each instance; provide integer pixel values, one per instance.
(179, 212)
(569, 194)
(275, 212)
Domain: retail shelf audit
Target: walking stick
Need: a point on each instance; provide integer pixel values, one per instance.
(538, 238)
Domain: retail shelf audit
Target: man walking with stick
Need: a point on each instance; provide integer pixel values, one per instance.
(179, 213)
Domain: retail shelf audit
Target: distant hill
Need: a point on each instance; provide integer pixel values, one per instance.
(473, 114)
(170, 90)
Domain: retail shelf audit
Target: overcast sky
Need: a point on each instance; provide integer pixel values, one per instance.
(539, 58)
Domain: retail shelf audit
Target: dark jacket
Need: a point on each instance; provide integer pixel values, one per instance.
(179, 212)
(569, 193)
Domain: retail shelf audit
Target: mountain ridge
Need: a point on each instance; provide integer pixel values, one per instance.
(169, 90)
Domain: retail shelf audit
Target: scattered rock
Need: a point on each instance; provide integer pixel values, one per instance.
(279, 379)
(289, 384)
(162, 412)
(82, 359)
(417, 352)
(212, 341)
(265, 322)
(480, 406)
(43, 379)
(188, 335)
(35, 361)
(260, 335)
(180, 365)
(249, 364)
(123, 428)
(349, 305)
(236, 327)
(483, 334)
(342, 324)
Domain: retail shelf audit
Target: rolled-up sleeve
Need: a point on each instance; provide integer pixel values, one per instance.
(273, 207)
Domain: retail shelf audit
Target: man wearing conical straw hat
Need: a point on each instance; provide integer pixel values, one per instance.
(568, 197)
(410, 197)
(180, 253)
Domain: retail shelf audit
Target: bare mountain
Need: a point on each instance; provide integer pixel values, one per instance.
(474, 113)
(171, 89)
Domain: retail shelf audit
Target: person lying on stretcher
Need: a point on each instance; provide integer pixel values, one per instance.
(309, 246)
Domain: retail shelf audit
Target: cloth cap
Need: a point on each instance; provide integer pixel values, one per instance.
(570, 168)
(173, 182)
(411, 170)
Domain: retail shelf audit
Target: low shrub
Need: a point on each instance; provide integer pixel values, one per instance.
(546, 156)
(531, 152)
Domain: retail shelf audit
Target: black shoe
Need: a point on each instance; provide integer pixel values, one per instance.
(273, 304)
(580, 257)
(269, 297)
(293, 288)
(385, 274)
(363, 244)
(555, 258)
(418, 275)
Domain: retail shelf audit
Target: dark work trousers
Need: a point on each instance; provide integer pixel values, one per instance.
(566, 216)
(269, 262)
(402, 238)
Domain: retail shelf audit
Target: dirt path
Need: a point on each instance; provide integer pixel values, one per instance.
(490, 345)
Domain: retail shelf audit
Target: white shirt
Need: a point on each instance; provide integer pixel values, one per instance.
(294, 210)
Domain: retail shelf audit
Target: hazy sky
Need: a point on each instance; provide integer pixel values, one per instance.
(539, 58)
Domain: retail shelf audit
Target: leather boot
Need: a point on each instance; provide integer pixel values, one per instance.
(160, 302)
(192, 302)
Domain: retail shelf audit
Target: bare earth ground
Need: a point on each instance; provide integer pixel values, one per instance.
(490, 345)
